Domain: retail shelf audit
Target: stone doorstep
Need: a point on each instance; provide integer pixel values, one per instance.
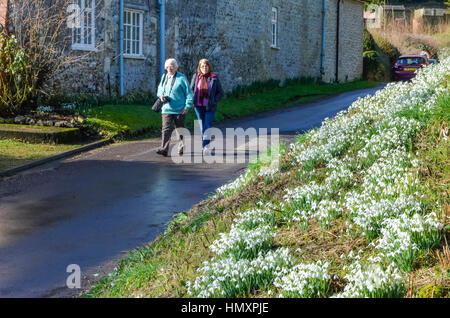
(40, 134)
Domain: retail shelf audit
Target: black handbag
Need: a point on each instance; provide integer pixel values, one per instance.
(158, 103)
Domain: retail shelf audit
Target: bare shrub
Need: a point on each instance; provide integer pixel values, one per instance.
(431, 38)
(41, 30)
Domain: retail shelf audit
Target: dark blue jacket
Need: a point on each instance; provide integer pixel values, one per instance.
(215, 92)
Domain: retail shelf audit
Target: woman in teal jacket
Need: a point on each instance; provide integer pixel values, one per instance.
(175, 92)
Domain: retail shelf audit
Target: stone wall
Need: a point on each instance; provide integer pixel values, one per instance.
(99, 74)
(86, 75)
(351, 41)
(246, 29)
(235, 35)
(191, 33)
(351, 26)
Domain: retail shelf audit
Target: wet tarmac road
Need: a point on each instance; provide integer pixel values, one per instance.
(90, 209)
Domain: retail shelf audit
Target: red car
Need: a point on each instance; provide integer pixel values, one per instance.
(407, 65)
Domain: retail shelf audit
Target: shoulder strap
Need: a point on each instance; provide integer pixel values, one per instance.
(173, 82)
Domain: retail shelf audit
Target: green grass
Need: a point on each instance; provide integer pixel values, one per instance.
(115, 120)
(28, 127)
(434, 150)
(130, 120)
(15, 153)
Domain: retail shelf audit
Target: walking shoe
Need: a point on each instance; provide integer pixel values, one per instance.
(161, 152)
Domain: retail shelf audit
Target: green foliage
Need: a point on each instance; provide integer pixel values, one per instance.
(387, 48)
(370, 58)
(368, 42)
(444, 53)
(122, 120)
(137, 97)
(197, 222)
(371, 2)
(242, 91)
(15, 79)
(254, 88)
(432, 291)
(373, 68)
(14, 153)
(433, 50)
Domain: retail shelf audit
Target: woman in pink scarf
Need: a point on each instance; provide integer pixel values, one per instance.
(207, 92)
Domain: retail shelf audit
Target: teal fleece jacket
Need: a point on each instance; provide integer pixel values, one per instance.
(180, 97)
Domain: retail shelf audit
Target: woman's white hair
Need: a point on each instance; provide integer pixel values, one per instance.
(171, 61)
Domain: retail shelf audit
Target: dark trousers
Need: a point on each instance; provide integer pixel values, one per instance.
(167, 128)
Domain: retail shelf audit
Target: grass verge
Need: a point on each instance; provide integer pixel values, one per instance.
(343, 241)
(15, 153)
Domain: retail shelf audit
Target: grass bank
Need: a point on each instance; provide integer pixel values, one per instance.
(15, 153)
(130, 120)
(357, 208)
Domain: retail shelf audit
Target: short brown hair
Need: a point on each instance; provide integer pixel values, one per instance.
(207, 63)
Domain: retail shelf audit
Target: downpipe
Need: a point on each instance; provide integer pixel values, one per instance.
(322, 63)
(338, 13)
(121, 12)
(162, 35)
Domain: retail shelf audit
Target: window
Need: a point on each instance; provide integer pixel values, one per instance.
(132, 40)
(83, 34)
(407, 61)
(274, 27)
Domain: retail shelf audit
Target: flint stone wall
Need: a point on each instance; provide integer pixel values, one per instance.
(235, 35)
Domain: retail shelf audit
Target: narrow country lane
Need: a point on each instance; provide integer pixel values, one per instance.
(91, 209)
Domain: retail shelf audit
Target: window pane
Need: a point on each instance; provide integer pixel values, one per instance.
(274, 34)
(132, 28)
(77, 35)
(89, 36)
(85, 34)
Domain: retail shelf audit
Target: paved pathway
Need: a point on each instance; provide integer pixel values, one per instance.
(90, 209)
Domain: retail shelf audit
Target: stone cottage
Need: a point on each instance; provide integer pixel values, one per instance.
(246, 41)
